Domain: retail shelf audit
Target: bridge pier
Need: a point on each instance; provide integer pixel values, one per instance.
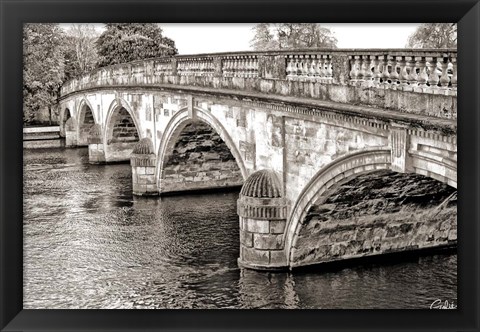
(96, 150)
(143, 161)
(263, 213)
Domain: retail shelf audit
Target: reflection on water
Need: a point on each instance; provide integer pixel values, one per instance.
(88, 243)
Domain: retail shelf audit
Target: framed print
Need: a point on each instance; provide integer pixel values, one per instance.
(327, 171)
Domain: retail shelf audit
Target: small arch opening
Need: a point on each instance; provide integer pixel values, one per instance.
(198, 159)
(85, 122)
(122, 135)
(65, 117)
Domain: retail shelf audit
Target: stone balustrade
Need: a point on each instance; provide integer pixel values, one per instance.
(302, 74)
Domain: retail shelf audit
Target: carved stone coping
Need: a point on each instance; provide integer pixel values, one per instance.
(262, 208)
(142, 160)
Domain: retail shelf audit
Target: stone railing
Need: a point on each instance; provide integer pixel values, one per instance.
(297, 73)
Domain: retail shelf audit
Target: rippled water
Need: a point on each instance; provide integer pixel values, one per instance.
(88, 243)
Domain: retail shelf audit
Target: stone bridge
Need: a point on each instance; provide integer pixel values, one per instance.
(292, 128)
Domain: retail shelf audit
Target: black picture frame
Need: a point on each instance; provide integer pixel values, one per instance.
(15, 13)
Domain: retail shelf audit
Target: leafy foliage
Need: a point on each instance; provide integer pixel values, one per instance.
(270, 36)
(124, 42)
(434, 35)
(80, 51)
(43, 67)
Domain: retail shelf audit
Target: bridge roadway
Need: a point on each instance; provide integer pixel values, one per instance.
(290, 127)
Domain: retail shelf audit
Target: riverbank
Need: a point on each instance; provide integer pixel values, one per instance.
(42, 137)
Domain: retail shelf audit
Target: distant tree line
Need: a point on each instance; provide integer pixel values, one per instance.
(434, 35)
(52, 56)
(277, 36)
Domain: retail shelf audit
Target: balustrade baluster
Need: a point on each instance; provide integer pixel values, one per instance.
(246, 67)
(444, 79)
(377, 73)
(353, 70)
(394, 73)
(403, 72)
(368, 75)
(306, 66)
(329, 69)
(422, 75)
(255, 67)
(385, 73)
(361, 71)
(322, 67)
(311, 69)
(454, 73)
(297, 64)
(226, 65)
(289, 68)
(241, 67)
(318, 67)
(433, 77)
(412, 76)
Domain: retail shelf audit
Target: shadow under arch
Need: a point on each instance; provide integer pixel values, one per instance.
(177, 124)
(338, 172)
(85, 121)
(65, 114)
(121, 131)
(114, 106)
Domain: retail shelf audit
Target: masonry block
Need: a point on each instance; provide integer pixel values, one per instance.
(262, 213)
(143, 162)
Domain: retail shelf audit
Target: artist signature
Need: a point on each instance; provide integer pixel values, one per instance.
(439, 304)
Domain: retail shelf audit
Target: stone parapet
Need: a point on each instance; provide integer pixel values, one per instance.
(385, 78)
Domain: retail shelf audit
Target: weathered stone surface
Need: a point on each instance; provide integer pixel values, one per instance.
(267, 241)
(96, 153)
(200, 159)
(277, 226)
(256, 226)
(381, 212)
(255, 256)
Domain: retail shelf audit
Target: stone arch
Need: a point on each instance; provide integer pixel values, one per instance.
(438, 168)
(114, 107)
(332, 175)
(122, 131)
(173, 130)
(85, 121)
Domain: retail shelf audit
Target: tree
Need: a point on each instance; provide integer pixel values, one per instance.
(434, 35)
(124, 42)
(263, 38)
(292, 36)
(43, 68)
(80, 51)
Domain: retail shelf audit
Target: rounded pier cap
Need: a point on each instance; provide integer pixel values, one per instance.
(262, 184)
(144, 146)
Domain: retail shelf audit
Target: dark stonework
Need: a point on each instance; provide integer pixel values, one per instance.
(199, 160)
(378, 213)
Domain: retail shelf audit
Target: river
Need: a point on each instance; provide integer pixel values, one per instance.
(89, 243)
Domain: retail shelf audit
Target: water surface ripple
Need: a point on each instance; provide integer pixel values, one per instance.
(88, 243)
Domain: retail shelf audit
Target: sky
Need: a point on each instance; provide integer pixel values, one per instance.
(195, 38)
